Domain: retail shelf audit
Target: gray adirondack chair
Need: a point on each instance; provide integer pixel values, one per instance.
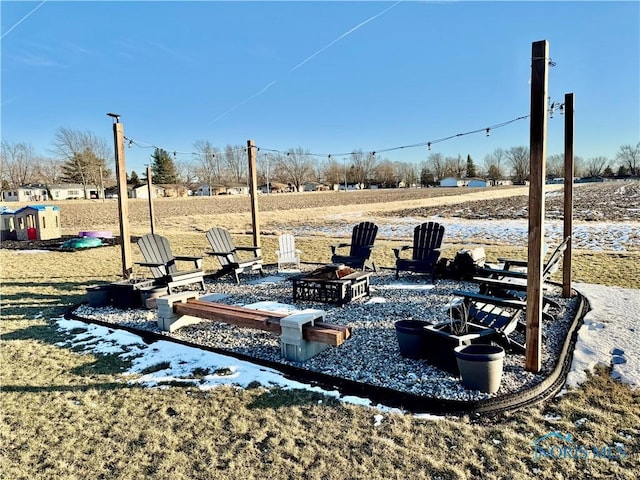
(427, 239)
(363, 237)
(227, 254)
(158, 257)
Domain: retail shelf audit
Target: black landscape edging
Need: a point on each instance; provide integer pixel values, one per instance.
(387, 396)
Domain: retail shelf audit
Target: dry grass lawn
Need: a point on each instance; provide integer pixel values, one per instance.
(70, 415)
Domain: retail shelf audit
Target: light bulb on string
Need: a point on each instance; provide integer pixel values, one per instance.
(488, 130)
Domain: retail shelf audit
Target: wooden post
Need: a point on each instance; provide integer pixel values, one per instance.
(568, 192)
(537, 174)
(253, 186)
(123, 200)
(151, 216)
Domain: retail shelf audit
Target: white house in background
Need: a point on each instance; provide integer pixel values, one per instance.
(477, 183)
(314, 187)
(453, 182)
(142, 191)
(70, 191)
(26, 193)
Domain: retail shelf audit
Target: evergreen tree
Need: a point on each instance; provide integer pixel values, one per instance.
(163, 168)
(134, 179)
(471, 168)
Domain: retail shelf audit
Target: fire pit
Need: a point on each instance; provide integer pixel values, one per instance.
(335, 284)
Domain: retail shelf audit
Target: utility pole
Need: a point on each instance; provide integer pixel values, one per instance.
(123, 204)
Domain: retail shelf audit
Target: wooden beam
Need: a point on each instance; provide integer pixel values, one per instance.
(568, 192)
(123, 200)
(149, 188)
(537, 174)
(261, 320)
(253, 175)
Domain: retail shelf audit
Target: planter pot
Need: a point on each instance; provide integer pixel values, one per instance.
(441, 342)
(99, 296)
(480, 366)
(411, 338)
(126, 293)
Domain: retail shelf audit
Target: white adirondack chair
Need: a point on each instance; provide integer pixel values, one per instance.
(287, 254)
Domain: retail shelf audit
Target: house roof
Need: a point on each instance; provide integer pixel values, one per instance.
(40, 208)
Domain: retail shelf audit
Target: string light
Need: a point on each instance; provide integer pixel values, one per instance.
(428, 144)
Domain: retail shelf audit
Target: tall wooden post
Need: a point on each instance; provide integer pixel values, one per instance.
(537, 174)
(568, 192)
(253, 186)
(149, 189)
(123, 204)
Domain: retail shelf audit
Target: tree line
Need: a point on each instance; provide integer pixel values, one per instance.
(81, 157)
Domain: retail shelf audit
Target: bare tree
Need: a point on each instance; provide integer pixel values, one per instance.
(187, 174)
(437, 165)
(363, 166)
(334, 172)
(555, 165)
(407, 173)
(494, 165)
(237, 163)
(209, 163)
(297, 166)
(49, 171)
(17, 164)
(595, 166)
(519, 160)
(386, 173)
(455, 167)
(629, 157)
(84, 156)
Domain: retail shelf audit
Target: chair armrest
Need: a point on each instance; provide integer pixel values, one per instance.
(340, 245)
(219, 254)
(509, 262)
(249, 249)
(150, 264)
(501, 302)
(402, 248)
(196, 260)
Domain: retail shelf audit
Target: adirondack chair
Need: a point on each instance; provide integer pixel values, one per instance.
(362, 238)
(508, 283)
(287, 253)
(427, 238)
(502, 315)
(550, 267)
(227, 254)
(158, 257)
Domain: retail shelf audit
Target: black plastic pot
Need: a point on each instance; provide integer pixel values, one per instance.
(412, 338)
(99, 296)
(480, 366)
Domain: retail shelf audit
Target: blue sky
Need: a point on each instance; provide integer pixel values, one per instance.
(330, 77)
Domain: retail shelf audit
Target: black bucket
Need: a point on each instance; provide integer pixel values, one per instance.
(412, 338)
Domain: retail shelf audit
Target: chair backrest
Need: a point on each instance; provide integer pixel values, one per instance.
(287, 245)
(363, 235)
(427, 238)
(220, 241)
(554, 260)
(156, 249)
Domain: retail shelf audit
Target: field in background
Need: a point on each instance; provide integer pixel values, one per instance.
(69, 415)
